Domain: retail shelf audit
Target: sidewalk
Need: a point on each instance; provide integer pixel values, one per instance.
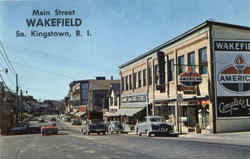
(239, 138)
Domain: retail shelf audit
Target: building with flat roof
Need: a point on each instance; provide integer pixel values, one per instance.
(199, 78)
(89, 95)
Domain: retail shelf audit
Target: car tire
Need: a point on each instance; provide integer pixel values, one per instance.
(148, 134)
(139, 134)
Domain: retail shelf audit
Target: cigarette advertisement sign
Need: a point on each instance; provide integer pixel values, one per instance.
(232, 65)
(233, 106)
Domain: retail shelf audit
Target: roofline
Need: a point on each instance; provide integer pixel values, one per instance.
(181, 36)
(87, 80)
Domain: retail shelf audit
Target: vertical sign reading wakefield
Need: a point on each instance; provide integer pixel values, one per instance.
(232, 78)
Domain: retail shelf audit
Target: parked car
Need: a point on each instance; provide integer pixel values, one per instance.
(76, 122)
(114, 127)
(67, 119)
(21, 128)
(93, 126)
(34, 130)
(49, 130)
(154, 125)
(53, 119)
(41, 120)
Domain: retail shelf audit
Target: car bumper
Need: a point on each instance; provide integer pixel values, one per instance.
(97, 130)
(161, 131)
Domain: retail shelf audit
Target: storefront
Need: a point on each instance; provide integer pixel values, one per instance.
(208, 66)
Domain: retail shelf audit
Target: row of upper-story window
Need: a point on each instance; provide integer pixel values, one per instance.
(143, 77)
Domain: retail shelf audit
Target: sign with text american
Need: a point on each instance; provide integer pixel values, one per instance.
(232, 65)
(190, 78)
(232, 76)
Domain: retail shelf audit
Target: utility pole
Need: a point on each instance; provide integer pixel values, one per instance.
(17, 99)
(21, 105)
(1, 109)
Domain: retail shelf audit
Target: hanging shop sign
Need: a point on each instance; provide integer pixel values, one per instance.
(233, 106)
(187, 90)
(190, 78)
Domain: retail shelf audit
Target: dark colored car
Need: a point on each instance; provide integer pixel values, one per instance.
(34, 130)
(41, 121)
(53, 119)
(21, 128)
(76, 122)
(49, 130)
(93, 126)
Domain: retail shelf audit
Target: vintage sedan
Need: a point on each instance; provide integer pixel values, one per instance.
(49, 130)
(21, 128)
(114, 127)
(154, 125)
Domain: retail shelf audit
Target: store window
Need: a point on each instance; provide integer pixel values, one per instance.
(122, 83)
(84, 87)
(126, 82)
(170, 70)
(134, 80)
(156, 74)
(144, 77)
(203, 60)
(181, 64)
(130, 81)
(191, 61)
(139, 79)
(149, 76)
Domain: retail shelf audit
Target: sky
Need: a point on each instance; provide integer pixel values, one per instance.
(120, 30)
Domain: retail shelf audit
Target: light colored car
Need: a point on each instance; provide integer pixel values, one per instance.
(154, 125)
(114, 127)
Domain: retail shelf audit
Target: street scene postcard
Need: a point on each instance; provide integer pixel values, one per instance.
(124, 79)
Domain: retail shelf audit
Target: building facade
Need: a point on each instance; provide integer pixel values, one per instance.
(89, 95)
(197, 79)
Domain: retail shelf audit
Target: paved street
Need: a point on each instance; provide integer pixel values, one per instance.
(71, 145)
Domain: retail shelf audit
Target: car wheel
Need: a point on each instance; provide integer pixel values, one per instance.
(148, 134)
(168, 133)
(139, 134)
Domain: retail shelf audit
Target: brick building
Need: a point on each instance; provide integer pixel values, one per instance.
(197, 78)
(89, 95)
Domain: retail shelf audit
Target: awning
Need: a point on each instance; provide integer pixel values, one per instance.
(109, 114)
(128, 112)
(168, 100)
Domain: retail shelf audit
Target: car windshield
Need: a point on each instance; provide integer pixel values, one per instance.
(156, 119)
